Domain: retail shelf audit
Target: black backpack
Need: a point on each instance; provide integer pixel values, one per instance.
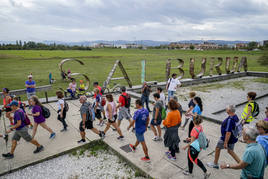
(256, 110)
(66, 106)
(45, 112)
(127, 100)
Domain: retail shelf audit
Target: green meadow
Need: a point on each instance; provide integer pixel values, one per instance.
(17, 64)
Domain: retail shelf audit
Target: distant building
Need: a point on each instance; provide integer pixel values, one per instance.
(241, 45)
(265, 43)
(103, 45)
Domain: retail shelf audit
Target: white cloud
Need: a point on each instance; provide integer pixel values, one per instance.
(76, 20)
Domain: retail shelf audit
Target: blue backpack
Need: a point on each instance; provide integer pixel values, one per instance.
(202, 140)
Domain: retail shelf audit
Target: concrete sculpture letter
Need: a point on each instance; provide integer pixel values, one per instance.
(179, 67)
(218, 66)
(235, 63)
(211, 68)
(191, 66)
(203, 68)
(244, 64)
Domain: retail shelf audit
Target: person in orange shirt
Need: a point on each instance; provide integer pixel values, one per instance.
(172, 123)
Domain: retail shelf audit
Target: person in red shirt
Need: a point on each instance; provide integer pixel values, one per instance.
(123, 109)
(96, 85)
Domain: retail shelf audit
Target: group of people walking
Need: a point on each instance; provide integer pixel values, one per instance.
(165, 114)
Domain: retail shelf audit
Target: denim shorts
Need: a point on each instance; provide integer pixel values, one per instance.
(158, 122)
(220, 145)
(140, 137)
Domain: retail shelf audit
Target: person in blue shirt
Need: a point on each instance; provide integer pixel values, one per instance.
(227, 140)
(196, 111)
(254, 160)
(141, 120)
(262, 139)
(30, 88)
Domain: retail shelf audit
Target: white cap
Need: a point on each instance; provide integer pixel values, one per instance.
(30, 76)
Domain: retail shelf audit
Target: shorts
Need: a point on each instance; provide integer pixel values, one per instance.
(98, 114)
(22, 133)
(140, 137)
(113, 120)
(89, 125)
(123, 113)
(220, 145)
(29, 95)
(158, 122)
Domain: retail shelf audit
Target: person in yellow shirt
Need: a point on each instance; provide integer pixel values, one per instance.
(172, 122)
(81, 89)
(249, 108)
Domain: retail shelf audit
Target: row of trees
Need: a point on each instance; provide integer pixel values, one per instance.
(40, 46)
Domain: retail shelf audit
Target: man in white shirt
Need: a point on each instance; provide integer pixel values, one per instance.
(172, 85)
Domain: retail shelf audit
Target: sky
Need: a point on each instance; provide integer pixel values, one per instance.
(159, 20)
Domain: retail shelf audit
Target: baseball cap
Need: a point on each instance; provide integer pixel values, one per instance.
(30, 76)
(13, 103)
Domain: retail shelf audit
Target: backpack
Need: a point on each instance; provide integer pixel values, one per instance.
(256, 110)
(237, 132)
(91, 112)
(26, 118)
(127, 100)
(202, 140)
(45, 112)
(66, 106)
(103, 101)
(163, 113)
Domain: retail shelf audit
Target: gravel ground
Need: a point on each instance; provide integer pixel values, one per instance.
(101, 165)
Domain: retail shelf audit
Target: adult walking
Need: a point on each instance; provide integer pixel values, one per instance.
(30, 89)
(254, 160)
(111, 113)
(145, 94)
(87, 121)
(196, 111)
(61, 110)
(227, 140)
(249, 108)
(20, 131)
(96, 85)
(123, 107)
(141, 121)
(194, 148)
(189, 112)
(262, 127)
(72, 88)
(6, 101)
(97, 106)
(157, 118)
(39, 119)
(172, 122)
(172, 85)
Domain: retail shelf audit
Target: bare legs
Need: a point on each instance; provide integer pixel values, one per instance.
(158, 130)
(231, 152)
(43, 124)
(115, 126)
(144, 147)
(14, 145)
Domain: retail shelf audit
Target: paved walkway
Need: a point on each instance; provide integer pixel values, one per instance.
(159, 167)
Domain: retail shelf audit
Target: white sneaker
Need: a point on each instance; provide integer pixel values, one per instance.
(212, 165)
(187, 173)
(155, 138)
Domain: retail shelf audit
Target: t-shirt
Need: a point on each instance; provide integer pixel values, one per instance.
(72, 86)
(99, 93)
(158, 105)
(122, 99)
(40, 118)
(82, 86)
(19, 115)
(263, 140)
(146, 91)
(30, 90)
(163, 98)
(173, 83)
(195, 134)
(84, 109)
(254, 156)
(173, 119)
(197, 110)
(60, 101)
(228, 125)
(191, 103)
(140, 118)
(266, 119)
(98, 100)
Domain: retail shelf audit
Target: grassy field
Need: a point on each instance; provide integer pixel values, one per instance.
(17, 64)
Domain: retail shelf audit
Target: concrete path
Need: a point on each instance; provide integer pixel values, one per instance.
(159, 167)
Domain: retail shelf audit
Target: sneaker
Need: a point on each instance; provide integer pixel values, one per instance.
(63, 130)
(133, 129)
(132, 148)
(159, 139)
(8, 156)
(145, 159)
(38, 149)
(155, 138)
(206, 175)
(186, 172)
(102, 134)
(171, 158)
(120, 137)
(168, 153)
(212, 165)
(52, 136)
(81, 141)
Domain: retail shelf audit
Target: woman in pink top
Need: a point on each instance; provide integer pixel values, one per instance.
(72, 88)
(112, 115)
